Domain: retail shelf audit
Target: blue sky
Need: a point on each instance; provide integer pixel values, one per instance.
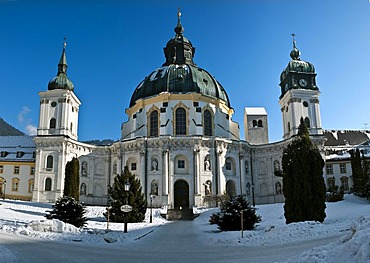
(112, 45)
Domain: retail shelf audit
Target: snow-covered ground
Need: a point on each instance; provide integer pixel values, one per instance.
(348, 219)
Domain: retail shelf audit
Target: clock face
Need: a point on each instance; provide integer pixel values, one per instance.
(303, 82)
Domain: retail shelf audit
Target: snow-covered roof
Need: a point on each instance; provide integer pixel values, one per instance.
(345, 137)
(17, 148)
(255, 111)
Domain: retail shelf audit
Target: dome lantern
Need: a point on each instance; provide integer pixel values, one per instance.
(61, 81)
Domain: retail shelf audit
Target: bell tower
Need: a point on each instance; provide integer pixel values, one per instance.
(59, 106)
(56, 134)
(299, 96)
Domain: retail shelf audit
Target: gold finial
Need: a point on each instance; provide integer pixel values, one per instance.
(178, 12)
(65, 42)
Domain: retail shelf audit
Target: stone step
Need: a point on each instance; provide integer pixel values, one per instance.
(179, 214)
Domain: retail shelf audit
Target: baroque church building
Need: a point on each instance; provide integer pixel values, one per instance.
(179, 139)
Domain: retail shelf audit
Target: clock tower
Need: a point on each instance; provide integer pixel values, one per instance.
(299, 97)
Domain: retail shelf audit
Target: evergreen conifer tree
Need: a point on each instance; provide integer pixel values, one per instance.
(360, 174)
(134, 198)
(304, 187)
(68, 210)
(229, 219)
(72, 179)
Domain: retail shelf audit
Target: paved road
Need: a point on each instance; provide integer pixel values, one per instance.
(174, 242)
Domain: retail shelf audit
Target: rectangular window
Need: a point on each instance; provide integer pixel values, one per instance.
(133, 166)
(329, 169)
(1, 169)
(343, 168)
(32, 171)
(181, 164)
(228, 166)
(16, 169)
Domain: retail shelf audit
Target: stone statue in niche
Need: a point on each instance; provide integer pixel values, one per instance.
(84, 168)
(208, 188)
(83, 189)
(154, 188)
(279, 191)
(207, 164)
(248, 189)
(154, 164)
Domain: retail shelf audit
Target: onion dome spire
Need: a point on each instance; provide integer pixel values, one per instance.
(61, 81)
(179, 29)
(179, 50)
(62, 66)
(295, 53)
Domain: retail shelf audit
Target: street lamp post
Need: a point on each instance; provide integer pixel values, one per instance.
(4, 183)
(151, 208)
(127, 189)
(254, 203)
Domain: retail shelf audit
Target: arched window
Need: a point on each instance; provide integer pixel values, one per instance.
(207, 123)
(260, 123)
(15, 184)
(254, 123)
(153, 128)
(48, 184)
(230, 188)
(331, 182)
(180, 116)
(49, 163)
(288, 126)
(53, 123)
(344, 183)
(71, 127)
(30, 185)
(307, 122)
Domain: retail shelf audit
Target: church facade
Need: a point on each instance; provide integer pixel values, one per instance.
(179, 139)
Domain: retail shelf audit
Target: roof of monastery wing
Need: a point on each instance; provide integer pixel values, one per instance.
(345, 137)
(17, 148)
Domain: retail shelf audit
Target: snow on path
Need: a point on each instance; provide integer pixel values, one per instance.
(350, 218)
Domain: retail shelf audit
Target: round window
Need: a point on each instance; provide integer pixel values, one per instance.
(53, 104)
(305, 103)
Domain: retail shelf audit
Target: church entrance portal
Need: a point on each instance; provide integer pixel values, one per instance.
(181, 194)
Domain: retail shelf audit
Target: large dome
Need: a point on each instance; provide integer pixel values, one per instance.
(179, 74)
(179, 79)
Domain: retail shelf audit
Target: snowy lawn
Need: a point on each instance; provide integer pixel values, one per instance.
(349, 218)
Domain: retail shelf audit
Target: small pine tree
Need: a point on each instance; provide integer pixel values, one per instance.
(229, 219)
(72, 179)
(68, 210)
(304, 187)
(119, 197)
(335, 194)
